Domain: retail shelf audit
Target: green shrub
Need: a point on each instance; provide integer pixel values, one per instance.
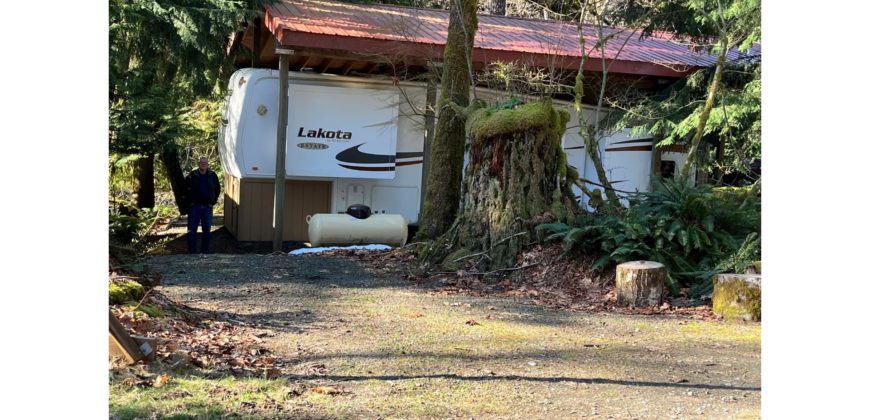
(692, 230)
(132, 228)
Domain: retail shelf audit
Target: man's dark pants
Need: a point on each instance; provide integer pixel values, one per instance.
(199, 213)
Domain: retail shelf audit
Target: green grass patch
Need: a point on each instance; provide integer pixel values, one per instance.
(723, 332)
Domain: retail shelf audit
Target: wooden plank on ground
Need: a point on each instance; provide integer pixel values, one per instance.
(123, 341)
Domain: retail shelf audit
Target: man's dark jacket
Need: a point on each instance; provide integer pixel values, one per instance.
(203, 188)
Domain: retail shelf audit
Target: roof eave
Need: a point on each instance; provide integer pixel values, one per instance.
(424, 51)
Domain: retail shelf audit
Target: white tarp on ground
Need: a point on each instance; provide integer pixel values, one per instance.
(375, 247)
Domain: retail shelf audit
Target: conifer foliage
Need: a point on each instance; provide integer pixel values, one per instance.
(163, 55)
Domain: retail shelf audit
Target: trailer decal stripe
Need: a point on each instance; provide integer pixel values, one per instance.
(354, 155)
(408, 155)
(634, 141)
(368, 168)
(412, 162)
(631, 149)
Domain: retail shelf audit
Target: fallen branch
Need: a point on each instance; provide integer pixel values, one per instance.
(509, 237)
(486, 273)
(145, 296)
(510, 269)
(127, 277)
(486, 253)
(471, 255)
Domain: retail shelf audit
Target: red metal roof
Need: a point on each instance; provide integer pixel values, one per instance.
(420, 32)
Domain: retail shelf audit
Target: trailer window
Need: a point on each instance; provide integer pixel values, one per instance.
(667, 169)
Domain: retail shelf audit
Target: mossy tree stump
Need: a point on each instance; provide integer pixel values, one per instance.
(517, 177)
(737, 296)
(640, 283)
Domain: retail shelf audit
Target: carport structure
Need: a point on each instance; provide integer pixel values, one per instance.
(405, 42)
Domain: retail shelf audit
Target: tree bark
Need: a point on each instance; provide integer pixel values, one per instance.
(592, 144)
(708, 106)
(516, 179)
(171, 162)
(444, 179)
(144, 172)
(737, 296)
(496, 7)
(640, 283)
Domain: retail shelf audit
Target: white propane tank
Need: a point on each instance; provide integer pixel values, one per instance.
(344, 229)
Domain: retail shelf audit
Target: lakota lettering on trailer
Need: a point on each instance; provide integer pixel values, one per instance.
(357, 128)
(320, 134)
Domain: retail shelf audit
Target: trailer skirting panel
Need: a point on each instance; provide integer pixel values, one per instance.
(248, 206)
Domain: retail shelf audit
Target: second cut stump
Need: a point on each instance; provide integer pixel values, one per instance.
(640, 283)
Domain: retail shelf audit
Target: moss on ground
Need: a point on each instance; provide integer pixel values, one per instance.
(123, 291)
(152, 311)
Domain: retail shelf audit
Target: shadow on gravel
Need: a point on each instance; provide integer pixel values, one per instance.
(554, 379)
(223, 242)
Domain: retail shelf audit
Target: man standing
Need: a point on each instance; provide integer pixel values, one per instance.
(203, 189)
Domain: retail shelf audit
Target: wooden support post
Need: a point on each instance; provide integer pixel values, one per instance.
(281, 149)
(640, 283)
(305, 63)
(368, 69)
(326, 66)
(347, 69)
(737, 296)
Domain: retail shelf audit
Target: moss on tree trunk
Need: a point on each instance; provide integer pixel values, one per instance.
(445, 171)
(517, 178)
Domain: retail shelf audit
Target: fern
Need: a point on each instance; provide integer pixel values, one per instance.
(694, 231)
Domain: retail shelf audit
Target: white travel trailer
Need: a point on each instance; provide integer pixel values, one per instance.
(352, 141)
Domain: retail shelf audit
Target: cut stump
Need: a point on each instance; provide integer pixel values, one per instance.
(737, 296)
(640, 283)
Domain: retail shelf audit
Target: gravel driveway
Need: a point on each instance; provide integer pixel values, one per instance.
(401, 350)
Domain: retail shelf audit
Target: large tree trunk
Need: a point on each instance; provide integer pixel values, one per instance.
(171, 162)
(445, 173)
(495, 7)
(517, 178)
(144, 172)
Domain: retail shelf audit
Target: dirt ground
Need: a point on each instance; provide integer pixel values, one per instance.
(379, 346)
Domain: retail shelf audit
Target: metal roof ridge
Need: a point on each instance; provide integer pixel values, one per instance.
(396, 6)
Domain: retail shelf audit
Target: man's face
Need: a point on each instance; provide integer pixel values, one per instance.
(203, 164)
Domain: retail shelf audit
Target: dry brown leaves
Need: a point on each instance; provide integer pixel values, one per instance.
(397, 261)
(205, 343)
(555, 281)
